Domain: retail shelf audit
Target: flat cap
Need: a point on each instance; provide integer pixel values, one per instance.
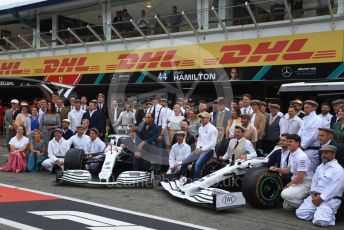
(58, 130)
(204, 114)
(248, 116)
(163, 99)
(24, 103)
(276, 106)
(311, 102)
(77, 100)
(14, 101)
(240, 127)
(326, 130)
(80, 127)
(66, 120)
(329, 148)
(299, 102)
(338, 102)
(180, 132)
(263, 103)
(255, 102)
(133, 128)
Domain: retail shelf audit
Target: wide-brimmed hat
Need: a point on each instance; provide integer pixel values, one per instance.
(66, 120)
(14, 101)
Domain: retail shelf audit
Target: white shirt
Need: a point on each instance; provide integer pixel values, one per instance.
(75, 118)
(178, 153)
(18, 144)
(328, 180)
(309, 130)
(207, 137)
(284, 157)
(326, 119)
(175, 122)
(253, 118)
(157, 111)
(96, 146)
(40, 113)
(57, 148)
(299, 162)
(164, 115)
(250, 152)
(126, 118)
(290, 125)
(78, 142)
(246, 110)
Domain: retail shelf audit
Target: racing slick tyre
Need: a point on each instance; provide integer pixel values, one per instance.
(212, 166)
(59, 175)
(74, 159)
(261, 187)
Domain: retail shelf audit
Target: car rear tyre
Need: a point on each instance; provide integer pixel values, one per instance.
(262, 188)
(74, 159)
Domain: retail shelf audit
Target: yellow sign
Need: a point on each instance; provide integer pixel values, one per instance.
(319, 47)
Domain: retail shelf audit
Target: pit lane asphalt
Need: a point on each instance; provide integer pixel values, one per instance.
(155, 201)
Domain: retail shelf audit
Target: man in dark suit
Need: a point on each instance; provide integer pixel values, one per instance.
(222, 115)
(335, 106)
(66, 132)
(221, 143)
(140, 113)
(272, 129)
(325, 137)
(148, 136)
(280, 157)
(93, 115)
(103, 113)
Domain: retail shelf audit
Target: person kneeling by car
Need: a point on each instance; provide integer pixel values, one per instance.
(326, 190)
(57, 149)
(178, 152)
(239, 146)
(299, 165)
(95, 145)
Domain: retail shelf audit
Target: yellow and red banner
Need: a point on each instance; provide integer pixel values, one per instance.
(319, 47)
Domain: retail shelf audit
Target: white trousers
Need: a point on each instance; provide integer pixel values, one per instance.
(293, 195)
(49, 164)
(324, 215)
(313, 156)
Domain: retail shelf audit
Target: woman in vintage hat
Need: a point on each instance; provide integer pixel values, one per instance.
(23, 118)
(38, 151)
(17, 158)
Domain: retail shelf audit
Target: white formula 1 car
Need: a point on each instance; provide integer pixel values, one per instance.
(260, 187)
(115, 161)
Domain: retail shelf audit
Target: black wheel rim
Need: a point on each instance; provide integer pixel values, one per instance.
(269, 189)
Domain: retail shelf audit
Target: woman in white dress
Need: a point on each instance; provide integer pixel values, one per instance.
(174, 121)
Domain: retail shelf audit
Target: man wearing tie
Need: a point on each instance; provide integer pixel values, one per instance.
(84, 103)
(155, 110)
(246, 103)
(272, 129)
(239, 146)
(114, 113)
(93, 115)
(222, 116)
(60, 109)
(103, 113)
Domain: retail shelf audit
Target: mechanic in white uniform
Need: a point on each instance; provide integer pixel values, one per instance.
(80, 139)
(299, 165)
(178, 152)
(95, 145)
(309, 133)
(57, 149)
(239, 146)
(326, 190)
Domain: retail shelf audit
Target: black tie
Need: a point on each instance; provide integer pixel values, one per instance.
(236, 144)
(58, 110)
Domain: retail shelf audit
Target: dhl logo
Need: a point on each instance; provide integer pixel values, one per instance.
(287, 50)
(12, 68)
(66, 65)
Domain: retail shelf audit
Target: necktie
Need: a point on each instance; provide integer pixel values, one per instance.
(236, 144)
(153, 114)
(58, 110)
(271, 120)
(245, 110)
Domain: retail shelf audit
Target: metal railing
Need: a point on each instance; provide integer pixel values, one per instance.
(223, 19)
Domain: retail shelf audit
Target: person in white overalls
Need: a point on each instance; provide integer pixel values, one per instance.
(326, 190)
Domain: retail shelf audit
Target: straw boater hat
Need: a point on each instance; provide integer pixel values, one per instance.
(66, 120)
(24, 103)
(14, 101)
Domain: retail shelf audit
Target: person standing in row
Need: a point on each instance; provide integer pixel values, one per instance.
(75, 115)
(49, 121)
(103, 114)
(8, 120)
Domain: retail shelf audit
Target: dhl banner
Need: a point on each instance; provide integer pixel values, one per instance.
(322, 47)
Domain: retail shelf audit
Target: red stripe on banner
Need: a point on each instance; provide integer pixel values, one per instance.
(16, 195)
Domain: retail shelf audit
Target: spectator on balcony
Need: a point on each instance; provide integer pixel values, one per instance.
(127, 26)
(322, 8)
(175, 20)
(296, 7)
(277, 10)
(143, 23)
(117, 21)
(157, 27)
